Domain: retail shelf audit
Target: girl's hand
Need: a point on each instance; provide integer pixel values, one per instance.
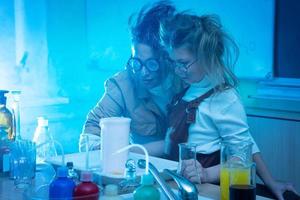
(193, 171)
(278, 188)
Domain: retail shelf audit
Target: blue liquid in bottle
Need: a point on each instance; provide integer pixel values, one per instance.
(62, 187)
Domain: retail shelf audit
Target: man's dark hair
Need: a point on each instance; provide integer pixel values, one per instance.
(144, 27)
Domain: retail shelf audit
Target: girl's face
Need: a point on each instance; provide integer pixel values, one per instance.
(148, 71)
(186, 65)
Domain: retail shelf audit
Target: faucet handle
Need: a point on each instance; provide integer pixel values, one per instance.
(187, 190)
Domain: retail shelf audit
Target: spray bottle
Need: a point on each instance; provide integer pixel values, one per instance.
(146, 191)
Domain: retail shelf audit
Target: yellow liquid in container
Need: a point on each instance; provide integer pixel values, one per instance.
(240, 176)
(224, 183)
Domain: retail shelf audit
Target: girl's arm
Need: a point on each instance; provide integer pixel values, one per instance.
(278, 188)
(211, 174)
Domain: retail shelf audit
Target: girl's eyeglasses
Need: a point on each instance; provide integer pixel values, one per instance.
(184, 66)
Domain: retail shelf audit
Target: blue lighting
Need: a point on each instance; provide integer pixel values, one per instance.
(59, 53)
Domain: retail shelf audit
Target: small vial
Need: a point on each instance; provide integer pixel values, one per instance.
(72, 174)
(130, 183)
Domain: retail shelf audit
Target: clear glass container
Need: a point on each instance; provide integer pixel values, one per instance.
(187, 153)
(235, 157)
(44, 141)
(242, 183)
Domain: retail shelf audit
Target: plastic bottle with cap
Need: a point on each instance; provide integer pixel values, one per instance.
(44, 141)
(62, 187)
(86, 190)
(111, 193)
(146, 191)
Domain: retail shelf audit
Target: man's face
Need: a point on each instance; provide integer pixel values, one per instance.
(148, 71)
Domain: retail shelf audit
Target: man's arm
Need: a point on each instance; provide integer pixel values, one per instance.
(111, 104)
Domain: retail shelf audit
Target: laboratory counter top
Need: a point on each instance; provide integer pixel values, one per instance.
(9, 192)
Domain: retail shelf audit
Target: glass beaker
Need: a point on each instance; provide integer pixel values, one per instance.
(242, 184)
(187, 156)
(23, 162)
(233, 154)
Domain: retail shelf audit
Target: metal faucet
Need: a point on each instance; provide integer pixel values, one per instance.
(186, 189)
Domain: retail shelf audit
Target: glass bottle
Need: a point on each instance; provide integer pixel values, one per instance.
(44, 141)
(130, 183)
(7, 134)
(6, 119)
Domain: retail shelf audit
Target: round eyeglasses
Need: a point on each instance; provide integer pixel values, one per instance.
(136, 64)
(184, 66)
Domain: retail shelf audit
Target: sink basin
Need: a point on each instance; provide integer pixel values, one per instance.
(162, 196)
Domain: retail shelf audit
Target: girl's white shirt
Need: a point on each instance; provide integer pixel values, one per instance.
(220, 117)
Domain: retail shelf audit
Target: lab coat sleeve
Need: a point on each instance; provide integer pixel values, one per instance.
(110, 105)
